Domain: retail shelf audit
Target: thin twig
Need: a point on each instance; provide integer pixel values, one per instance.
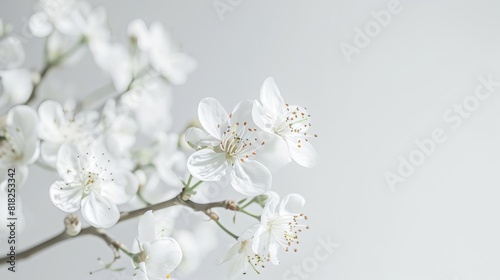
(227, 204)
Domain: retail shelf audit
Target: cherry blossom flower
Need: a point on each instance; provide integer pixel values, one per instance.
(19, 145)
(93, 183)
(279, 227)
(59, 125)
(288, 121)
(242, 256)
(70, 17)
(160, 52)
(158, 256)
(16, 86)
(150, 102)
(12, 53)
(238, 144)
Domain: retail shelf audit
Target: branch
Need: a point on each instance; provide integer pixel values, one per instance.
(206, 208)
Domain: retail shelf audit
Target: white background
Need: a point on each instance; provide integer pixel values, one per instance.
(442, 223)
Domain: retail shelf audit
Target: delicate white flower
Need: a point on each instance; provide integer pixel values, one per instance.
(243, 257)
(288, 121)
(279, 227)
(117, 124)
(15, 87)
(150, 103)
(158, 256)
(160, 51)
(70, 17)
(170, 163)
(196, 243)
(19, 145)
(113, 59)
(238, 144)
(59, 125)
(91, 181)
(11, 52)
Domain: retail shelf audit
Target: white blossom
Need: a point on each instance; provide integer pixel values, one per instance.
(238, 144)
(12, 53)
(19, 145)
(279, 227)
(158, 256)
(60, 125)
(16, 86)
(93, 183)
(291, 122)
(160, 52)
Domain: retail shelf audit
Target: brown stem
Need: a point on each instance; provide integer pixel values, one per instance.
(206, 208)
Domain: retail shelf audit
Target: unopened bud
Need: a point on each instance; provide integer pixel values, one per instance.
(73, 225)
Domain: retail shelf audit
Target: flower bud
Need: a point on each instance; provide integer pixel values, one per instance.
(73, 225)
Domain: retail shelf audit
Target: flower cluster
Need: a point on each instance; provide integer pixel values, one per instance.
(114, 155)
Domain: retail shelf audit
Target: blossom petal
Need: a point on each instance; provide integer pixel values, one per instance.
(146, 228)
(123, 187)
(164, 256)
(98, 211)
(250, 178)
(207, 165)
(17, 86)
(212, 116)
(24, 118)
(291, 203)
(69, 163)
(49, 151)
(273, 253)
(66, 197)
(275, 153)
(260, 118)
(197, 138)
(50, 113)
(303, 153)
(242, 113)
(271, 98)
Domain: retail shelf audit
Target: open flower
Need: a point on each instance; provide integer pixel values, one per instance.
(11, 52)
(19, 145)
(235, 155)
(242, 256)
(288, 121)
(15, 87)
(279, 227)
(158, 256)
(160, 52)
(91, 181)
(69, 17)
(59, 125)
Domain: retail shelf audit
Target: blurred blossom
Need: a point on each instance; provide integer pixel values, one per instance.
(150, 105)
(160, 51)
(114, 60)
(16, 87)
(11, 53)
(116, 123)
(170, 163)
(196, 244)
(19, 145)
(60, 125)
(71, 18)
(92, 182)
